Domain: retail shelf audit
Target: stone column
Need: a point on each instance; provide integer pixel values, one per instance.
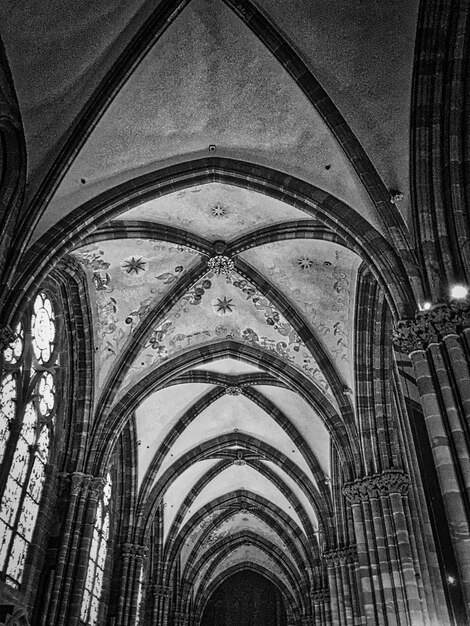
(438, 343)
(386, 564)
(158, 599)
(133, 557)
(321, 607)
(180, 618)
(341, 567)
(83, 493)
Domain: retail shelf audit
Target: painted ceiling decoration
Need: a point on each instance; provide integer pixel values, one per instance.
(217, 196)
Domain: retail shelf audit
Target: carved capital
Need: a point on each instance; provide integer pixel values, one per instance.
(431, 326)
(341, 556)
(133, 550)
(7, 337)
(320, 595)
(160, 591)
(180, 619)
(376, 486)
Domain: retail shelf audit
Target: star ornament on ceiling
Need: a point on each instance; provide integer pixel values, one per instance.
(134, 266)
(224, 305)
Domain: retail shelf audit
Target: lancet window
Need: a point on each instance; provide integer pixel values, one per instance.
(97, 560)
(27, 416)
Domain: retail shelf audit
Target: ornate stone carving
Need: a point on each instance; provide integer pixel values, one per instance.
(180, 619)
(133, 550)
(376, 486)
(431, 326)
(7, 337)
(341, 556)
(233, 391)
(160, 591)
(320, 595)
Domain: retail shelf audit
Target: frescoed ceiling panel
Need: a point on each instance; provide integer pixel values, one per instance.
(319, 277)
(129, 278)
(226, 309)
(215, 211)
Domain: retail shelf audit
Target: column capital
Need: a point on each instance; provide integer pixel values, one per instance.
(134, 551)
(320, 595)
(450, 318)
(392, 481)
(160, 591)
(180, 619)
(341, 556)
(79, 482)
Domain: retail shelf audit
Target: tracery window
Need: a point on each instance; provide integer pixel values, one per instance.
(97, 560)
(27, 415)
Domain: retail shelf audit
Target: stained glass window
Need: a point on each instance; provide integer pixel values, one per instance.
(97, 559)
(27, 411)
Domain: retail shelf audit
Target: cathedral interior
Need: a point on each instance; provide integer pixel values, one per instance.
(234, 313)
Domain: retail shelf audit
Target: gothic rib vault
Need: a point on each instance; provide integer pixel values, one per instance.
(216, 198)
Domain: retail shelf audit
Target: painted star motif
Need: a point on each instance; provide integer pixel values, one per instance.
(218, 210)
(224, 305)
(305, 263)
(134, 266)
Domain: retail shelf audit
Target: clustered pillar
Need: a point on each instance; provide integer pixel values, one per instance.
(84, 492)
(438, 343)
(341, 566)
(384, 548)
(133, 557)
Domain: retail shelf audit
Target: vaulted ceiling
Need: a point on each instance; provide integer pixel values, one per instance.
(237, 384)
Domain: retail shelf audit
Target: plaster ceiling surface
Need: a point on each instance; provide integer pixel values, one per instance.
(180, 488)
(319, 277)
(306, 420)
(243, 554)
(243, 520)
(217, 308)
(157, 415)
(296, 488)
(128, 278)
(362, 54)
(243, 477)
(229, 366)
(215, 211)
(231, 414)
(58, 53)
(221, 87)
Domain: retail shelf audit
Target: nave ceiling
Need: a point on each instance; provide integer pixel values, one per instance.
(236, 385)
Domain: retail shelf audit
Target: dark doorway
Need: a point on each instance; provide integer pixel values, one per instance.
(245, 599)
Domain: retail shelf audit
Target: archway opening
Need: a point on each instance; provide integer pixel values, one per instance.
(245, 599)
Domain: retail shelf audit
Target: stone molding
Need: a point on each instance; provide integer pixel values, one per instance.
(379, 485)
(410, 335)
(320, 595)
(160, 591)
(180, 619)
(7, 337)
(81, 483)
(341, 556)
(133, 550)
